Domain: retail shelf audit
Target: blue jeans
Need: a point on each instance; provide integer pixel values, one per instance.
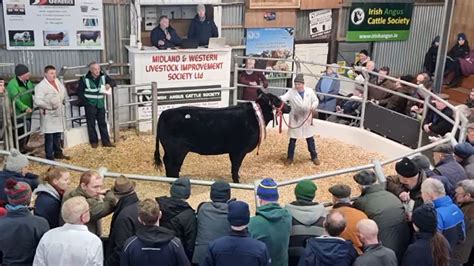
(311, 148)
(52, 145)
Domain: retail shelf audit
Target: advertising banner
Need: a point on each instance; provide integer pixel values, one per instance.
(53, 24)
(379, 22)
(267, 43)
(320, 23)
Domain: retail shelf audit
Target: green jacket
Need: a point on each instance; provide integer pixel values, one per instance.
(272, 226)
(98, 208)
(25, 101)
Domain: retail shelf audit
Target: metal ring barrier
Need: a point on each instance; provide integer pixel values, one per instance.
(15, 117)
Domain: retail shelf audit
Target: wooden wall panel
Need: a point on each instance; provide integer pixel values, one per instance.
(320, 4)
(284, 18)
(462, 21)
(259, 4)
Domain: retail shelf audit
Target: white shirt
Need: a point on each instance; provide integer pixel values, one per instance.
(71, 245)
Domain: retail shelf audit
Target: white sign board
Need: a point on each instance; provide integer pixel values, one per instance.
(54, 24)
(190, 77)
(320, 22)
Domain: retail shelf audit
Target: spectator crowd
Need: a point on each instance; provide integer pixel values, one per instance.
(423, 215)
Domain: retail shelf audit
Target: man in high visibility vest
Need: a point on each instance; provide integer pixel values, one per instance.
(92, 89)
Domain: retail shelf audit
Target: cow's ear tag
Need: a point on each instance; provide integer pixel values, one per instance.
(187, 116)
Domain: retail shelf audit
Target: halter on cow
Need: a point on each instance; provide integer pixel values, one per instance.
(236, 130)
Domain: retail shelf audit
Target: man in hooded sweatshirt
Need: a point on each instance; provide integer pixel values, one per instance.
(330, 249)
(308, 219)
(271, 223)
(152, 244)
(202, 27)
(178, 215)
(212, 219)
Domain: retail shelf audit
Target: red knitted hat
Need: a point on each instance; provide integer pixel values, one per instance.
(18, 193)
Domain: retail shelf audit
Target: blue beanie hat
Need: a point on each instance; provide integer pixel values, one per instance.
(239, 213)
(461, 36)
(268, 190)
(463, 150)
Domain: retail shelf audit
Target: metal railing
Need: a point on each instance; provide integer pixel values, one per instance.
(23, 117)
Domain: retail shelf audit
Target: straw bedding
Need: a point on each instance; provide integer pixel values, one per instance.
(134, 154)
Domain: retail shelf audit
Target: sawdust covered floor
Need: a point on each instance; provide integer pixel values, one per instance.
(135, 155)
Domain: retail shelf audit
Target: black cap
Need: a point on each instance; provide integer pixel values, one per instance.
(239, 213)
(365, 178)
(406, 168)
(425, 218)
(21, 70)
(181, 188)
(340, 191)
(220, 191)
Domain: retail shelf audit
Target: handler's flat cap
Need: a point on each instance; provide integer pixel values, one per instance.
(340, 191)
(444, 148)
(365, 178)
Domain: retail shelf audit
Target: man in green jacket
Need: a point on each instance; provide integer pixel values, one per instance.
(24, 103)
(272, 223)
(101, 202)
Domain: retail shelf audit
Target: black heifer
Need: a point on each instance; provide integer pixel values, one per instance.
(210, 131)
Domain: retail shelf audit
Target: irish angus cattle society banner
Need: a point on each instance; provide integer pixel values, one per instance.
(54, 24)
(379, 22)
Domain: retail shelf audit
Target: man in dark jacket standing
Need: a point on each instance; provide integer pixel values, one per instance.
(330, 249)
(20, 230)
(465, 199)
(464, 155)
(212, 219)
(446, 165)
(374, 252)
(124, 221)
(178, 215)
(152, 244)
(92, 90)
(238, 248)
(16, 167)
(202, 28)
(164, 36)
(386, 210)
(308, 219)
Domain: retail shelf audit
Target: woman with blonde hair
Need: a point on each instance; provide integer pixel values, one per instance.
(50, 194)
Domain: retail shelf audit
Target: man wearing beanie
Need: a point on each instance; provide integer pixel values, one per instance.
(202, 27)
(24, 104)
(124, 222)
(212, 219)
(341, 199)
(178, 215)
(427, 237)
(464, 154)
(450, 218)
(238, 248)
(446, 165)
(16, 168)
(303, 103)
(271, 223)
(21, 231)
(386, 210)
(308, 219)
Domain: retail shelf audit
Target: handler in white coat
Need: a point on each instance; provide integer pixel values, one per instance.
(49, 97)
(303, 102)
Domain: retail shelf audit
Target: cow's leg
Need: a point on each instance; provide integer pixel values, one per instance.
(236, 159)
(173, 162)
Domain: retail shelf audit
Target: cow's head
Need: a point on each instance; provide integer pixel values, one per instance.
(268, 102)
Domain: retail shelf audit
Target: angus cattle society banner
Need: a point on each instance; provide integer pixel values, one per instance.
(379, 22)
(54, 24)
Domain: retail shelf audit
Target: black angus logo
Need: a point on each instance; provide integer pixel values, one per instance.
(52, 2)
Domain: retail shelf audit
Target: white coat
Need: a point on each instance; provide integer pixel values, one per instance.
(301, 108)
(50, 101)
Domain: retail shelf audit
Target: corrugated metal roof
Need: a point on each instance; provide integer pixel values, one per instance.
(406, 57)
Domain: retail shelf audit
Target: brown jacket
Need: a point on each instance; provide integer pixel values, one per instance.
(394, 186)
(377, 94)
(461, 252)
(98, 208)
(353, 216)
(395, 102)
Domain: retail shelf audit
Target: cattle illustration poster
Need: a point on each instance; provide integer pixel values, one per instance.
(272, 46)
(54, 24)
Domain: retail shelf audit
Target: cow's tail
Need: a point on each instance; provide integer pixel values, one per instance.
(158, 162)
